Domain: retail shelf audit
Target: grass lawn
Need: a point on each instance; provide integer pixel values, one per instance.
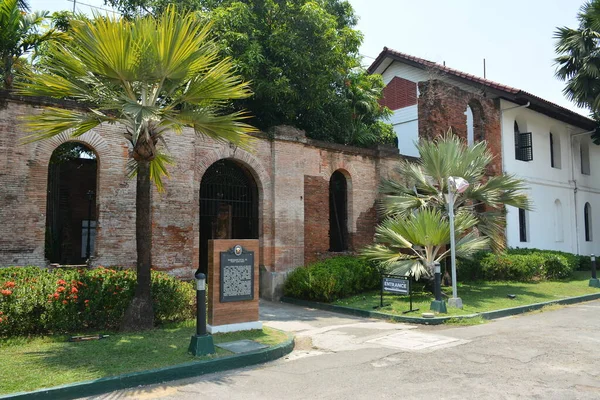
(33, 363)
(478, 296)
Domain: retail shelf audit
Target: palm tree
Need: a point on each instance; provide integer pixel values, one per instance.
(424, 184)
(579, 57)
(154, 76)
(20, 32)
(410, 244)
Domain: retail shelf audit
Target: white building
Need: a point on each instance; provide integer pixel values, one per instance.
(547, 145)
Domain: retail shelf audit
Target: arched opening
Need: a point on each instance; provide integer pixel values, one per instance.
(71, 204)
(587, 221)
(475, 122)
(470, 127)
(228, 205)
(338, 212)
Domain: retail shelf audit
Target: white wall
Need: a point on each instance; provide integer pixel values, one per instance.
(406, 126)
(548, 184)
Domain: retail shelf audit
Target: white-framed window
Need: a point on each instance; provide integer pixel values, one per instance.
(523, 229)
(523, 145)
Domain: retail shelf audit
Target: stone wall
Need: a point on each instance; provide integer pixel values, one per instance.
(291, 172)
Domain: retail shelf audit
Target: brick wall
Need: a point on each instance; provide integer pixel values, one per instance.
(442, 106)
(291, 173)
(399, 93)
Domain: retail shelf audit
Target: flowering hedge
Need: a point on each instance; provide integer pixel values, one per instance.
(35, 300)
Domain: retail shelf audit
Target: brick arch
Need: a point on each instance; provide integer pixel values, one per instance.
(92, 139)
(205, 158)
(254, 166)
(349, 204)
(478, 120)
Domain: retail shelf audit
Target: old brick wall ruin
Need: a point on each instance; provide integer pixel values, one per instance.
(291, 172)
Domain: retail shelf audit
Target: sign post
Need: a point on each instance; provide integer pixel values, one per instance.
(399, 285)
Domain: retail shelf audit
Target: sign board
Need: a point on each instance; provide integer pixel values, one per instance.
(237, 275)
(395, 285)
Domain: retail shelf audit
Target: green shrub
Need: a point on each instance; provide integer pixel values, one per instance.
(469, 269)
(512, 267)
(557, 266)
(584, 263)
(34, 300)
(331, 279)
(520, 264)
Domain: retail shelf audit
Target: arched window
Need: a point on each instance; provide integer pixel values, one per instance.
(71, 204)
(338, 212)
(558, 221)
(587, 221)
(228, 205)
(470, 126)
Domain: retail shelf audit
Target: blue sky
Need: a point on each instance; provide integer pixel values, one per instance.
(514, 36)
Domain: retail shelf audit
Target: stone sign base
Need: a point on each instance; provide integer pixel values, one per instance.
(233, 297)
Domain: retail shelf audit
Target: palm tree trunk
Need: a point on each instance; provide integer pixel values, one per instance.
(140, 313)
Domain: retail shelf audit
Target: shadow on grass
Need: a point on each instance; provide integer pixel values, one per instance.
(53, 361)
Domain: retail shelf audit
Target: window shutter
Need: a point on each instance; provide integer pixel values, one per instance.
(525, 147)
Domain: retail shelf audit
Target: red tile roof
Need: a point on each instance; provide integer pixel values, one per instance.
(505, 91)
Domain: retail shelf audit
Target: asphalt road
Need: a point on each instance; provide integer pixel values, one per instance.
(548, 355)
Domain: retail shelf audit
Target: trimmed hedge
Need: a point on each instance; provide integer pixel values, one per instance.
(331, 279)
(39, 301)
(521, 265)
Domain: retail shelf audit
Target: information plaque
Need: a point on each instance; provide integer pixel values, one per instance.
(237, 275)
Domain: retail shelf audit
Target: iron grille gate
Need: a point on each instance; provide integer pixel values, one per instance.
(227, 188)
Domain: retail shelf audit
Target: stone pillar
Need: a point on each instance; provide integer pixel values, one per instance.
(233, 307)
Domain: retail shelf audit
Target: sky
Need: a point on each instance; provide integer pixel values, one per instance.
(514, 36)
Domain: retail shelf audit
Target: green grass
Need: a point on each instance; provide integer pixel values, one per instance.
(33, 363)
(478, 296)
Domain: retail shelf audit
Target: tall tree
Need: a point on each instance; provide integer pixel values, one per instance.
(20, 33)
(153, 76)
(302, 58)
(423, 185)
(578, 60)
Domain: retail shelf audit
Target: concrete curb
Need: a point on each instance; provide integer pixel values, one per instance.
(181, 371)
(505, 312)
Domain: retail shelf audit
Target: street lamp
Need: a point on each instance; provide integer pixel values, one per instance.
(455, 185)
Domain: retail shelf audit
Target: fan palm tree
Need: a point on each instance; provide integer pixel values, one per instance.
(153, 76)
(409, 244)
(424, 184)
(20, 33)
(579, 57)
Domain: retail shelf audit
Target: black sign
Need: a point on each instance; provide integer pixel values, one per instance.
(237, 275)
(395, 285)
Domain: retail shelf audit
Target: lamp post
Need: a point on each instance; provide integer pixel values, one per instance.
(594, 282)
(438, 304)
(455, 185)
(201, 343)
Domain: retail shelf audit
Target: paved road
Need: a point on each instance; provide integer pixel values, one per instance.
(549, 355)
